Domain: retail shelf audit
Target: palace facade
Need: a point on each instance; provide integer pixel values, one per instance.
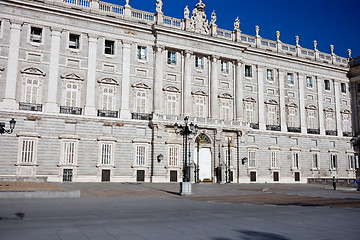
(96, 89)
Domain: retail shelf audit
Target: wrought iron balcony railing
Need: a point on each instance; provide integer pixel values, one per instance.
(254, 125)
(348, 134)
(71, 110)
(273, 127)
(331, 132)
(294, 129)
(108, 113)
(313, 131)
(30, 107)
(141, 116)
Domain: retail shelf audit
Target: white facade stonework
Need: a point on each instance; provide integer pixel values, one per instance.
(96, 88)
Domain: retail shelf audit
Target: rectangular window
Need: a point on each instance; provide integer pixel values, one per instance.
(225, 109)
(272, 119)
(327, 85)
(249, 113)
(248, 71)
(69, 153)
(140, 155)
(351, 162)
(274, 159)
(224, 67)
(106, 153)
(200, 106)
(346, 123)
(343, 87)
(329, 121)
(171, 104)
(173, 156)
(141, 53)
(199, 62)
(269, 75)
(74, 41)
(290, 79)
(108, 98)
(315, 162)
(27, 151)
(333, 161)
(309, 82)
(252, 159)
(140, 101)
(31, 90)
(109, 47)
(311, 119)
(226, 156)
(171, 58)
(295, 160)
(35, 34)
(292, 117)
(67, 175)
(71, 95)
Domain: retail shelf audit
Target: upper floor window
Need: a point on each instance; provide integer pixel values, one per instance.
(200, 106)
(329, 120)
(199, 62)
(109, 47)
(224, 67)
(309, 83)
(108, 98)
(351, 162)
(171, 104)
(36, 35)
(248, 71)
(171, 58)
(327, 85)
(270, 75)
(343, 87)
(249, 111)
(272, 116)
(141, 53)
(74, 41)
(140, 104)
(72, 94)
(226, 109)
(31, 90)
(292, 117)
(346, 123)
(290, 79)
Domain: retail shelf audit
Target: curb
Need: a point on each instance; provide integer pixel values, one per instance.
(39, 194)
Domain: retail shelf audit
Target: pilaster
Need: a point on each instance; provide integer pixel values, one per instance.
(187, 84)
(125, 81)
(91, 78)
(302, 104)
(337, 108)
(320, 105)
(214, 87)
(239, 90)
(260, 79)
(282, 109)
(158, 94)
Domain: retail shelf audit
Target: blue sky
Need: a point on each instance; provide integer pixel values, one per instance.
(329, 22)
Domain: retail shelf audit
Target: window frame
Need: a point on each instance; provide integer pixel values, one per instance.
(141, 53)
(334, 162)
(327, 83)
(351, 162)
(309, 84)
(343, 88)
(271, 78)
(315, 159)
(295, 160)
(274, 162)
(224, 70)
(109, 154)
(41, 38)
(77, 45)
(254, 161)
(173, 158)
(171, 58)
(144, 155)
(290, 80)
(248, 71)
(64, 153)
(33, 152)
(112, 47)
(199, 62)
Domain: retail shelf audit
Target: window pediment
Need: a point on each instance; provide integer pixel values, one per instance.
(141, 86)
(72, 76)
(249, 99)
(225, 96)
(110, 81)
(33, 71)
(1, 69)
(311, 107)
(328, 109)
(171, 89)
(291, 105)
(271, 102)
(199, 93)
(345, 111)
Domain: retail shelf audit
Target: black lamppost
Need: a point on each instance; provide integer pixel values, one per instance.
(12, 126)
(185, 131)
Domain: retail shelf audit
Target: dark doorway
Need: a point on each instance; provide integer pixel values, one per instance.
(231, 177)
(140, 175)
(105, 175)
(252, 176)
(276, 176)
(173, 176)
(297, 177)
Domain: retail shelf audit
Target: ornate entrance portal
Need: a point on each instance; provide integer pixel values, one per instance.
(202, 157)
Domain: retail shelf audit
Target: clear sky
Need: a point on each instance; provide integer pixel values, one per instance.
(334, 22)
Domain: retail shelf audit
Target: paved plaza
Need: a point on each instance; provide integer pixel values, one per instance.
(155, 211)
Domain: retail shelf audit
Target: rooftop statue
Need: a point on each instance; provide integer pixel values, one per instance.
(213, 17)
(199, 24)
(159, 5)
(186, 13)
(237, 24)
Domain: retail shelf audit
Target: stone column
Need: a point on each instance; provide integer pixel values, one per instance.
(320, 105)
(302, 110)
(187, 85)
(91, 78)
(9, 101)
(260, 79)
(214, 87)
(51, 103)
(158, 77)
(282, 109)
(354, 116)
(125, 81)
(337, 109)
(239, 91)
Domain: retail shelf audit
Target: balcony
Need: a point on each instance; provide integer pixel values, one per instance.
(141, 116)
(107, 113)
(273, 127)
(348, 134)
(30, 107)
(331, 132)
(254, 125)
(71, 110)
(313, 131)
(294, 129)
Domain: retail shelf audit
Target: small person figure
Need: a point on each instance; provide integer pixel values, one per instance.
(334, 182)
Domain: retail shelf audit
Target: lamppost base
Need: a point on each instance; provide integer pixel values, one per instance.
(185, 188)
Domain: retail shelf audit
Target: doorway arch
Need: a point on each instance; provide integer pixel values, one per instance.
(203, 157)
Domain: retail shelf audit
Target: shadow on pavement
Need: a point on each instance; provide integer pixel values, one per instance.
(254, 235)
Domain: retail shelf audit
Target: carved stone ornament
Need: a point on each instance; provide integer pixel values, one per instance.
(271, 102)
(72, 76)
(33, 71)
(203, 139)
(249, 99)
(329, 110)
(311, 107)
(291, 105)
(345, 111)
(1, 69)
(110, 81)
(140, 85)
(171, 89)
(199, 93)
(225, 96)
(198, 23)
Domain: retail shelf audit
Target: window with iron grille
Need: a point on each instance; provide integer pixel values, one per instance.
(295, 160)
(173, 156)
(252, 158)
(69, 153)
(333, 161)
(274, 159)
(315, 162)
(106, 153)
(27, 151)
(140, 155)
(67, 175)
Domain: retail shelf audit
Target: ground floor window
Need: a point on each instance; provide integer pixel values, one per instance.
(67, 175)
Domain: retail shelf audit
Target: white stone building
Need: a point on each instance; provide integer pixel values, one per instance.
(96, 88)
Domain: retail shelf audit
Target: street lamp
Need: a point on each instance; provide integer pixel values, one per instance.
(185, 131)
(12, 126)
